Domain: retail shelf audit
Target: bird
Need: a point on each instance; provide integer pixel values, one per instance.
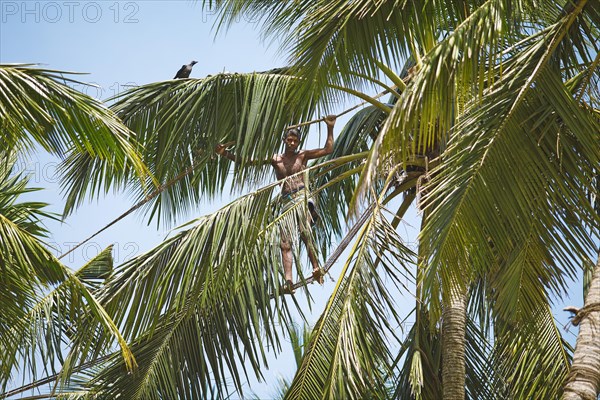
(185, 70)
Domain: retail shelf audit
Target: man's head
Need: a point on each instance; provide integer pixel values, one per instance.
(292, 139)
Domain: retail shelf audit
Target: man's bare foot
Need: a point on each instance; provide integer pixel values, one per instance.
(318, 275)
(288, 287)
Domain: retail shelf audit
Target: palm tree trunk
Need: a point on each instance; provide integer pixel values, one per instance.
(583, 381)
(454, 319)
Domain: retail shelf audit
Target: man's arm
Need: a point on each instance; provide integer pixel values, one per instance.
(220, 150)
(328, 149)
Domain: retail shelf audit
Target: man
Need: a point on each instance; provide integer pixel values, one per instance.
(287, 168)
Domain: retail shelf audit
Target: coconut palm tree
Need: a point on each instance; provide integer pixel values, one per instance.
(496, 84)
(484, 87)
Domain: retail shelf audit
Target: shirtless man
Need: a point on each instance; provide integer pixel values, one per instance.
(287, 167)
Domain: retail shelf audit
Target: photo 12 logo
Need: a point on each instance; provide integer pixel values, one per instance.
(86, 252)
(125, 12)
(99, 92)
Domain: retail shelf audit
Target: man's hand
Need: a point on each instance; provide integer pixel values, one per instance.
(330, 120)
(220, 149)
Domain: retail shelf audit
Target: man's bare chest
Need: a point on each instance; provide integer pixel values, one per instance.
(288, 165)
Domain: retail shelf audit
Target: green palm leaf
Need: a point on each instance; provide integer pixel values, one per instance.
(24, 262)
(51, 322)
(533, 371)
(199, 305)
(38, 108)
(522, 129)
(333, 40)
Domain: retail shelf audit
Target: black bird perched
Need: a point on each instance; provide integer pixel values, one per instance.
(185, 71)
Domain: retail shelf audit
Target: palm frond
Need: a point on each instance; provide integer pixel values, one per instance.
(522, 283)
(27, 215)
(51, 322)
(199, 305)
(543, 130)
(25, 264)
(349, 355)
(179, 358)
(38, 108)
(180, 122)
(380, 31)
(532, 357)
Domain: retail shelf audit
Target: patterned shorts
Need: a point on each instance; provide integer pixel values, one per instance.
(295, 216)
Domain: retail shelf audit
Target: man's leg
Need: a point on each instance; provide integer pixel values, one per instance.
(317, 272)
(287, 258)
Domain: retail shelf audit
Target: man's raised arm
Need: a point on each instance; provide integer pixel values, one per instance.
(328, 149)
(222, 151)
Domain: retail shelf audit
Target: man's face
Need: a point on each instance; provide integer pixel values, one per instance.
(291, 142)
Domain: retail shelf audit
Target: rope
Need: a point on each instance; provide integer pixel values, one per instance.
(314, 121)
(145, 200)
(188, 170)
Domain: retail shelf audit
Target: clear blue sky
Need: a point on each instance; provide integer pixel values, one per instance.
(121, 43)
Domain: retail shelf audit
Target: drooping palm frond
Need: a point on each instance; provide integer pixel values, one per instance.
(38, 108)
(24, 262)
(336, 39)
(578, 52)
(349, 356)
(532, 357)
(473, 58)
(521, 284)
(180, 122)
(28, 215)
(36, 340)
(83, 175)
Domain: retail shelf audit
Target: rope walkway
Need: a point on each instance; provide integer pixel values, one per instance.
(189, 169)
